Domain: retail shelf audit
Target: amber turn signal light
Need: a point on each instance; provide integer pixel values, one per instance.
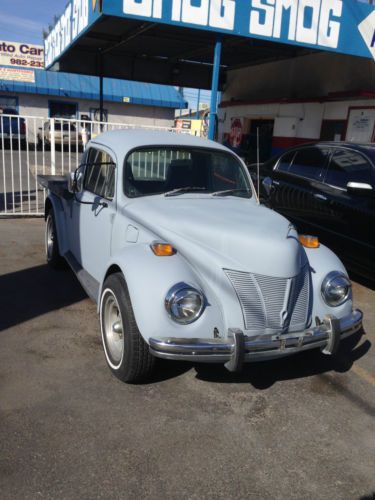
(163, 249)
(309, 241)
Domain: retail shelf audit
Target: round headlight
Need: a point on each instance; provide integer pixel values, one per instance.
(184, 303)
(336, 288)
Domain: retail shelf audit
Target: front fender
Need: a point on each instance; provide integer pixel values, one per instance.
(322, 261)
(149, 278)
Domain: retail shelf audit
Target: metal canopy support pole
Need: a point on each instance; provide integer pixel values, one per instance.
(101, 91)
(101, 98)
(214, 90)
(198, 99)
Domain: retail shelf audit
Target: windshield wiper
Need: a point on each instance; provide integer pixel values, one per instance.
(178, 191)
(228, 192)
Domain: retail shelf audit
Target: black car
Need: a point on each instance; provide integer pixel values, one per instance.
(328, 189)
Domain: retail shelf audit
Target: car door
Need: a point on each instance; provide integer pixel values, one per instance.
(352, 212)
(93, 213)
(297, 185)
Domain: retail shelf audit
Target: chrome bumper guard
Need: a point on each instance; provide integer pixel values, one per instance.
(239, 348)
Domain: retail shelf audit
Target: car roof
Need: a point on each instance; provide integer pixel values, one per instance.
(362, 146)
(122, 141)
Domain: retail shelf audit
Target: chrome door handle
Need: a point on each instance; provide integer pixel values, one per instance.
(320, 197)
(277, 183)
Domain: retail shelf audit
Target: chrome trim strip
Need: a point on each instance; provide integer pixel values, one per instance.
(271, 346)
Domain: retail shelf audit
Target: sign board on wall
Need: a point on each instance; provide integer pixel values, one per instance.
(22, 55)
(17, 75)
(333, 25)
(361, 125)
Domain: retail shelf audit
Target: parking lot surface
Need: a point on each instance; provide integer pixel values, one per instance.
(301, 427)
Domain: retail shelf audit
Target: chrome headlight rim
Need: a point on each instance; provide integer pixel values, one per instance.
(327, 282)
(174, 293)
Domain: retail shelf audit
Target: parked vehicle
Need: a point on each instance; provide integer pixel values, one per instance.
(65, 134)
(12, 129)
(329, 189)
(166, 234)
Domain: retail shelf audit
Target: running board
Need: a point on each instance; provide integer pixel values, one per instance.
(89, 284)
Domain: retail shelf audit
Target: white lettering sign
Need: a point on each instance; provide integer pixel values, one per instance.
(310, 21)
(69, 26)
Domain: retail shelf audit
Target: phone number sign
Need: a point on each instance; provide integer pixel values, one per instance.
(22, 55)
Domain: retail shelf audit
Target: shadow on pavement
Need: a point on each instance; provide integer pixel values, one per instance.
(262, 375)
(29, 293)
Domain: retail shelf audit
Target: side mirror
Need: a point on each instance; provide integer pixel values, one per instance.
(267, 185)
(75, 181)
(362, 188)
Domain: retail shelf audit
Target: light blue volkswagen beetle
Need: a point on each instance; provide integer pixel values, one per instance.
(165, 232)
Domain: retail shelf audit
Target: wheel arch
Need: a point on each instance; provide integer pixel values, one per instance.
(148, 279)
(54, 203)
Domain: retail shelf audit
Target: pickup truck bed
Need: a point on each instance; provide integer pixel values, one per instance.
(56, 184)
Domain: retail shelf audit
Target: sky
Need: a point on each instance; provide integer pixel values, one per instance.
(24, 21)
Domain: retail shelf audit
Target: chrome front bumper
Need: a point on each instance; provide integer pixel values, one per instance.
(239, 348)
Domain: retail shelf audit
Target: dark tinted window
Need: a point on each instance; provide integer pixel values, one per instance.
(100, 174)
(349, 166)
(309, 163)
(285, 161)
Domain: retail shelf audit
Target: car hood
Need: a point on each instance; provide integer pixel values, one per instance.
(231, 232)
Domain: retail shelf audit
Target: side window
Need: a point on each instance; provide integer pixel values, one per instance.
(285, 161)
(100, 174)
(309, 163)
(346, 166)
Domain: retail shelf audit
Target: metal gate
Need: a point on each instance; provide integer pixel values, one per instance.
(31, 145)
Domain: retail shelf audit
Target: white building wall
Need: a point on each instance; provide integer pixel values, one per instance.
(301, 121)
(123, 113)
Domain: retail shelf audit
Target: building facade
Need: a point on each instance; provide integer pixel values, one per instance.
(280, 104)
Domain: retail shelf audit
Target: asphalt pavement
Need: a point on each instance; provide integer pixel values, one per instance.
(301, 427)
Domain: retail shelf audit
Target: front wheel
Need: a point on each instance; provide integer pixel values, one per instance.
(126, 352)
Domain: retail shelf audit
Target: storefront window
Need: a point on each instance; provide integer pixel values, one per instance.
(8, 103)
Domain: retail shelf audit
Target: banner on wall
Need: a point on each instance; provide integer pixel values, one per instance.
(236, 133)
(361, 125)
(17, 75)
(22, 55)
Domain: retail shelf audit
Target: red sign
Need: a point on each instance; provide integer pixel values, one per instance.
(236, 133)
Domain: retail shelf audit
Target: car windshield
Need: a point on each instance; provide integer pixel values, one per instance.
(177, 171)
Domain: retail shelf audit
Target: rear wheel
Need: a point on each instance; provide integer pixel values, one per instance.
(53, 257)
(126, 352)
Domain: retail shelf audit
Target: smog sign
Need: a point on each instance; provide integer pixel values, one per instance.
(344, 26)
(23, 55)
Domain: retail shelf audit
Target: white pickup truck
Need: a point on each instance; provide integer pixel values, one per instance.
(166, 234)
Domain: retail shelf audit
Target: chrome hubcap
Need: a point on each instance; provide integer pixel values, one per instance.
(113, 328)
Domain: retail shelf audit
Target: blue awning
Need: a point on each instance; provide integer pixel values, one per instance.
(87, 87)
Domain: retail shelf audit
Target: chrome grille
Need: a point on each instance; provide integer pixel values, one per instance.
(272, 304)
